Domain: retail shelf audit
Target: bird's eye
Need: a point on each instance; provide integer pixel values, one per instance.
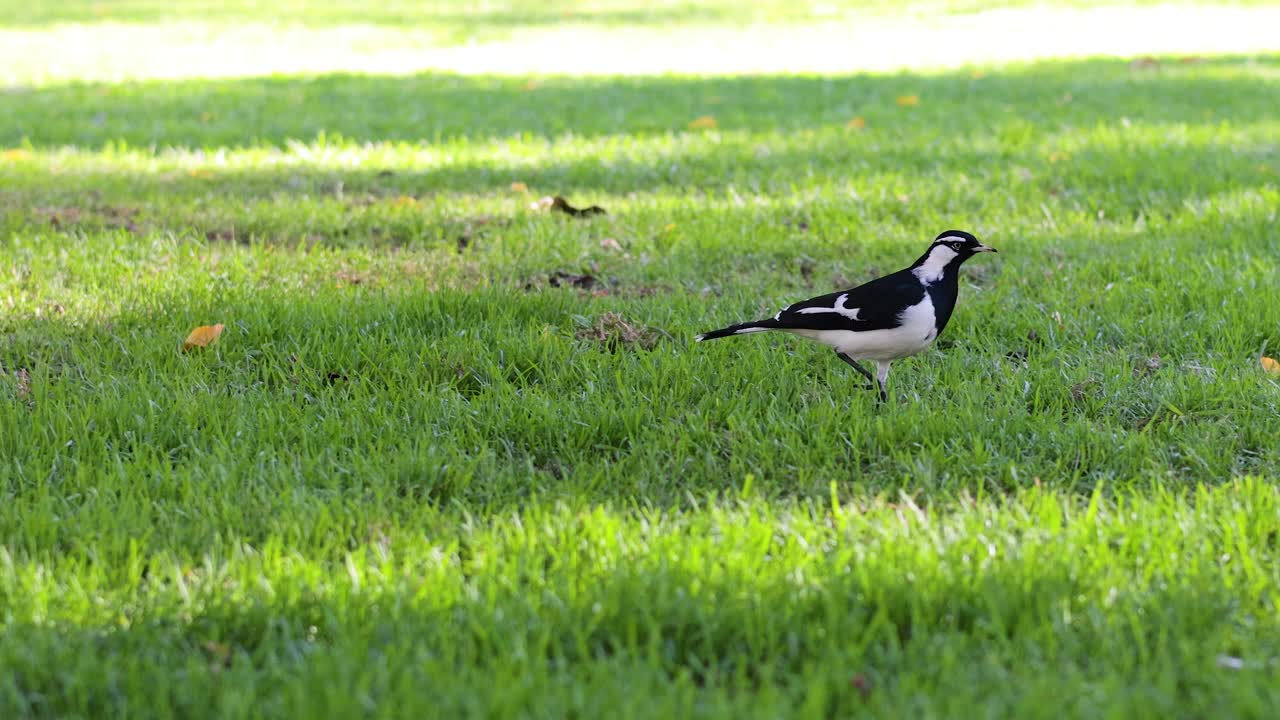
(957, 246)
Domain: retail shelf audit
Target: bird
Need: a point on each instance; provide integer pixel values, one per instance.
(886, 319)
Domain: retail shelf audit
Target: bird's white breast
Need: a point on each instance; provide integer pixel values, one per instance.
(917, 330)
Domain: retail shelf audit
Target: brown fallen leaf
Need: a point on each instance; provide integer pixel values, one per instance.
(856, 123)
(611, 244)
(706, 122)
(519, 187)
(908, 100)
(202, 336)
(1271, 365)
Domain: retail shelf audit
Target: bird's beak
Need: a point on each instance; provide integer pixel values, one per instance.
(984, 248)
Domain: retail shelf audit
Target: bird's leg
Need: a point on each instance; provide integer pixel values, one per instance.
(861, 370)
(882, 378)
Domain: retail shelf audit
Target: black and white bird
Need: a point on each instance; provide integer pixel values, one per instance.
(887, 319)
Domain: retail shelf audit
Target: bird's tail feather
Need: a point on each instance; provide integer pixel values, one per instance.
(739, 329)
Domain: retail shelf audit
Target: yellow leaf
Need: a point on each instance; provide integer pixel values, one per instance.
(199, 172)
(706, 122)
(16, 154)
(1270, 365)
(202, 336)
(404, 200)
(856, 124)
(1057, 157)
(908, 100)
(519, 187)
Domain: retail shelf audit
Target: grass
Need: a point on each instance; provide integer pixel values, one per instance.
(414, 478)
(456, 18)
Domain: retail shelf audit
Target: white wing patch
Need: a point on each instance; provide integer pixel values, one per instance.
(839, 309)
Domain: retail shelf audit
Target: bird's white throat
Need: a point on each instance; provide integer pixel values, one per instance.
(930, 271)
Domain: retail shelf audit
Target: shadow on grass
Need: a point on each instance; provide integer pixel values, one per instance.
(434, 108)
(964, 636)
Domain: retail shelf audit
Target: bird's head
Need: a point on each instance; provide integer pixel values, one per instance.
(963, 244)
(948, 250)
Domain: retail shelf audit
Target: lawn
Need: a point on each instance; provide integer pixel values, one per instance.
(456, 455)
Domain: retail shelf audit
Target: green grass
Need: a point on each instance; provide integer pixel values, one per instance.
(461, 18)
(413, 479)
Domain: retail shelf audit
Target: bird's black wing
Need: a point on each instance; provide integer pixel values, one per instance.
(876, 305)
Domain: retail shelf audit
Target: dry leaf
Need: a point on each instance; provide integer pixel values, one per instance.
(199, 173)
(908, 100)
(856, 124)
(404, 200)
(1057, 157)
(1270, 365)
(530, 85)
(519, 187)
(202, 336)
(610, 244)
(706, 122)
